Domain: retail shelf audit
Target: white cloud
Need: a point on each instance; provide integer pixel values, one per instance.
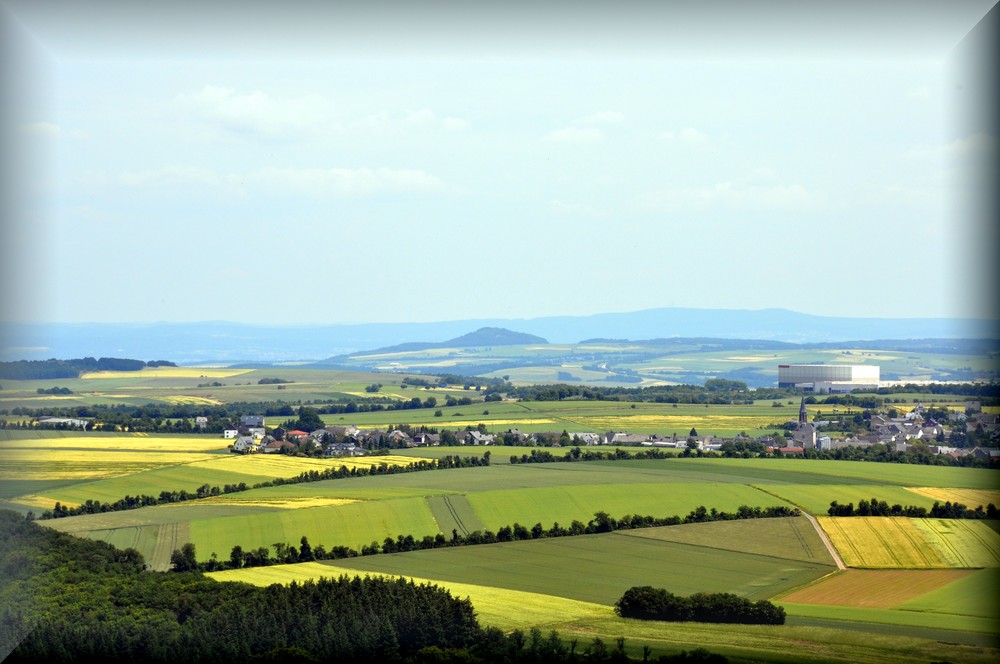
(688, 135)
(575, 135)
(976, 144)
(350, 182)
(256, 111)
(318, 182)
(585, 129)
(731, 196)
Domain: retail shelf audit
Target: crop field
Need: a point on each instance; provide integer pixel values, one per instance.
(587, 416)
(876, 589)
(972, 595)
(565, 504)
(788, 539)
(538, 566)
(353, 524)
(538, 582)
(886, 542)
(508, 585)
(165, 372)
(816, 498)
(971, 498)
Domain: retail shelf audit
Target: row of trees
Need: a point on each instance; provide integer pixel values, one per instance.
(648, 603)
(205, 491)
(948, 510)
(50, 369)
(285, 553)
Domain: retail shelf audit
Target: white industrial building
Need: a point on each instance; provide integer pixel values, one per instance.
(828, 377)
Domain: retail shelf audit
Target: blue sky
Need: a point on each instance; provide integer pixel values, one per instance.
(385, 162)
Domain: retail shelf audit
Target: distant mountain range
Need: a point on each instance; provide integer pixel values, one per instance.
(236, 342)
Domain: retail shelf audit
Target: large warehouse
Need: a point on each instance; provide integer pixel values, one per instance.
(828, 377)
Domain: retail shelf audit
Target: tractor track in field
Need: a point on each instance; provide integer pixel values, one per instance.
(826, 541)
(454, 515)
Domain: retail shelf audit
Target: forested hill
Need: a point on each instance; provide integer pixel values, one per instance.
(48, 369)
(484, 336)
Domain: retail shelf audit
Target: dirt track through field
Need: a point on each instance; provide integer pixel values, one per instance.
(826, 541)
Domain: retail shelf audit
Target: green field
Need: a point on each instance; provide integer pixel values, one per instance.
(564, 583)
(525, 584)
(816, 498)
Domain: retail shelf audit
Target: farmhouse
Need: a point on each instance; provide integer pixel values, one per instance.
(252, 421)
(244, 445)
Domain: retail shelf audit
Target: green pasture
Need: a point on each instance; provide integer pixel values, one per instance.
(353, 525)
(942, 620)
(603, 566)
(835, 472)
(510, 585)
(816, 498)
(491, 497)
(801, 641)
(564, 504)
(788, 538)
(974, 595)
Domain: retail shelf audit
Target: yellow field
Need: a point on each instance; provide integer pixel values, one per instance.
(168, 372)
(43, 464)
(969, 543)
(497, 423)
(971, 498)
(40, 397)
(132, 442)
(279, 465)
(497, 607)
(281, 503)
(42, 502)
(194, 401)
(887, 542)
(674, 422)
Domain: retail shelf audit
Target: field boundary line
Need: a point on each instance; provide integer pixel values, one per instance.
(631, 532)
(807, 584)
(825, 539)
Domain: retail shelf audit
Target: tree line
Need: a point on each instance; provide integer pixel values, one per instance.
(66, 599)
(948, 510)
(874, 453)
(49, 369)
(648, 603)
(205, 491)
(185, 559)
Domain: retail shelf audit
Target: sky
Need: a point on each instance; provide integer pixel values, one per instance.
(387, 162)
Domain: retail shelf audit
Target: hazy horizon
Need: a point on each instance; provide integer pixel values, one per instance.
(393, 163)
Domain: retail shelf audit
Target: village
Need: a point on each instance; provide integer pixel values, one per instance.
(913, 430)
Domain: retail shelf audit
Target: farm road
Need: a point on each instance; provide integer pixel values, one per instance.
(826, 540)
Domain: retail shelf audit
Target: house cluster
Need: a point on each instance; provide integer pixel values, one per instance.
(899, 434)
